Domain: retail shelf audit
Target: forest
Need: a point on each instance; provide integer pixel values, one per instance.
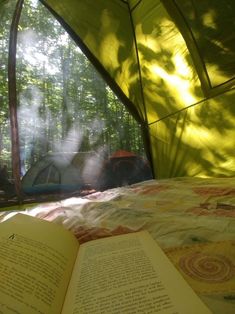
(63, 104)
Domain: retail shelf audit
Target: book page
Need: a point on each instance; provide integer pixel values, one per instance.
(128, 274)
(36, 262)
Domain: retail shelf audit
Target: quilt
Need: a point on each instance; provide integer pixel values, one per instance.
(192, 219)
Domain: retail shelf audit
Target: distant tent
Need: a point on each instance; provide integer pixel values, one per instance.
(61, 172)
(124, 168)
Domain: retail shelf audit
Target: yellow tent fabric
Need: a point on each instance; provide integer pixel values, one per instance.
(173, 63)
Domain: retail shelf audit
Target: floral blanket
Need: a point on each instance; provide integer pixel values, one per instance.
(192, 219)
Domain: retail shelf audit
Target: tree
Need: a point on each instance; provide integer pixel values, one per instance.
(64, 104)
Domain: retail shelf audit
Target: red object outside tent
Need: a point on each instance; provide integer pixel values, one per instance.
(124, 168)
(122, 153)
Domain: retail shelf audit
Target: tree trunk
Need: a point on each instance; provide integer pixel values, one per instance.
(13, 98)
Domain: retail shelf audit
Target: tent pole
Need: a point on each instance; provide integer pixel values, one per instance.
(144, 125)
(13, 98)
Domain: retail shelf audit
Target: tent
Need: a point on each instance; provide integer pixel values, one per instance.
(68, 172)
(123, 168)
(61, 172)
(172, 63)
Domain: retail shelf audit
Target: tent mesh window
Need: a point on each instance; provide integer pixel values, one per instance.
(63, 104)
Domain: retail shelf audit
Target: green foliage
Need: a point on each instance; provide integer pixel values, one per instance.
(63, 103)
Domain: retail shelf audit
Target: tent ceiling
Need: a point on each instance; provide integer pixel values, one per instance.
(140, 48)
(167, 58)
(172, 62)
(206, 26)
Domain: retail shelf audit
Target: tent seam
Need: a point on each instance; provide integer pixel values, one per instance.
(138, 63)
(145, 127)
(180, 22)
(190, 106)
(134, 7)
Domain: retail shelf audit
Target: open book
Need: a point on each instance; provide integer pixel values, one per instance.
(43, 270)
